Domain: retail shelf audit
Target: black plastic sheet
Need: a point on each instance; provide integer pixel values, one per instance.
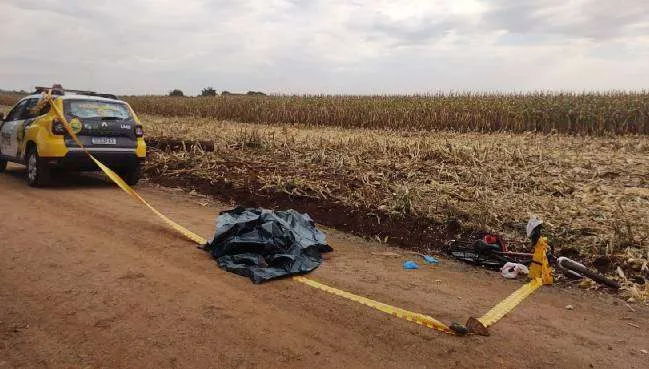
(263, 244)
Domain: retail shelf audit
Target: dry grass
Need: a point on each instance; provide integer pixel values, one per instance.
(8, 99)
(588, 113)
(592, 191)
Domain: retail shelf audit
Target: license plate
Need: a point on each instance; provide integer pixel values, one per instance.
(104, 141)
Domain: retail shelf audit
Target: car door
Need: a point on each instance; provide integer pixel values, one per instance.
(26, 118)
(9, 130)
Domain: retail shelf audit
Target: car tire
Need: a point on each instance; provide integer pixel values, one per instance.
(3, 165)
(131, 175)
(37, 173)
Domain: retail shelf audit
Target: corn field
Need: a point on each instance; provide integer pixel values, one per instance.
(597, 113)
(582, 114)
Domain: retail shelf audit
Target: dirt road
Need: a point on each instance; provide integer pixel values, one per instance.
(90, 279)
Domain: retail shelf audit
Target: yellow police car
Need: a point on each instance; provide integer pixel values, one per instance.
(31, 134)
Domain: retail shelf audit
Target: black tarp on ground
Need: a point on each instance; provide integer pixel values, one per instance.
(264, 244)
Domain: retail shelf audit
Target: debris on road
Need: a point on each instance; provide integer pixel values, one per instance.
(459, 329)
(570, 307)
(629, 306)
(430, 260)
(263, 244)
(512, 270)
(489, 251)
(574, 267)
(409, 264)
(427, 258)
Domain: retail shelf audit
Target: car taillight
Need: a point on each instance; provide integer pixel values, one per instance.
(57, 127)
(139, 132)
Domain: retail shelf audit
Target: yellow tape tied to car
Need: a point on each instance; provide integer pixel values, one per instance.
(120, 182)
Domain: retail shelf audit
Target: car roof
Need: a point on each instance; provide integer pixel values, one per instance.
(73, 96)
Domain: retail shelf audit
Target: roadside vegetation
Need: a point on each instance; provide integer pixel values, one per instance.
(592, 191)
(583, 114)
(592, 113)
(9, 98)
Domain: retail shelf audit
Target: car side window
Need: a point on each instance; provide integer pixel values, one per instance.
(28, 112)
(16, 112)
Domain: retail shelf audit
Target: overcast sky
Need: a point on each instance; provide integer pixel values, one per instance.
(325, 46)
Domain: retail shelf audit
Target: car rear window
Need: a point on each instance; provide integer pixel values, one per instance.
(88, 109)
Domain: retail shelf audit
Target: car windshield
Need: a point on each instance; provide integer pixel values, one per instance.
(89, 109)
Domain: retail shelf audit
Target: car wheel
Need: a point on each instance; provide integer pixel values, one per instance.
(131, 175)
(38, 173)
(3, 165)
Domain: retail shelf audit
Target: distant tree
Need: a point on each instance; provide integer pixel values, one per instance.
(176, 92)
(208, 91)
(226, 92)
(255, 93)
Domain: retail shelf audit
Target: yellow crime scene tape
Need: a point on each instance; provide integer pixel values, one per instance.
(487, 320)
(508, 304)
(120, 182)
(420, 319)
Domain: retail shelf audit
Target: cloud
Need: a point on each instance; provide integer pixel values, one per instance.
(592, 19)
(324, 46)
(424, 23)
